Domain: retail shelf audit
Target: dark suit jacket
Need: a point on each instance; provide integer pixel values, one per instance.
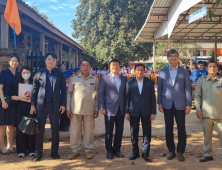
(109, 98)
(59, 89)
(146, 102)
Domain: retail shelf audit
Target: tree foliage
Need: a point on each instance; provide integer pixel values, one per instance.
(160, 64)
(184, 49)
(42, 14)
(211, 11)
(107, 28)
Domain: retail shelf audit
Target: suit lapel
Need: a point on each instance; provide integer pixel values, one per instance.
(54, 79)
(121, 81)
(144, 84)
(178, 72)
(168, 76)
(43, 77)
(136, 86)
(112, 82)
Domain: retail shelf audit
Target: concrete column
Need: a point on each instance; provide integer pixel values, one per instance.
(154, 59)
(60, 54)
(215, 44)
(42, 43)
(77, 58)
(169, 46)
(4, 32)
(70, 57)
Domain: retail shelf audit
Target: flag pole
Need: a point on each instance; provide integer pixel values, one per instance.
(14, 34)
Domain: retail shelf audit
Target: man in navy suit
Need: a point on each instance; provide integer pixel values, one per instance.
(140, 104)
(48, 98)
(111, 103)
(174, 100)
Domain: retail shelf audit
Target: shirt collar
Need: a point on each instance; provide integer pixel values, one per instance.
(216, 78)
(114, 75)
(80, 75)
(52, 71)
(139, 80)
(176, 68)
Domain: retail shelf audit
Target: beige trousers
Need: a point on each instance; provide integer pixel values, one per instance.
(208, 125)
(88, 124)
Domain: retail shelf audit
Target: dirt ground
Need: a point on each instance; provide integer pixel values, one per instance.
(157, 153)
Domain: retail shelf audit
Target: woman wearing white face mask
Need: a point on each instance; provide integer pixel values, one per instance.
(25, 144)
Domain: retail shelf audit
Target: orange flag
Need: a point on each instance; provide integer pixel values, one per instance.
(12, 15)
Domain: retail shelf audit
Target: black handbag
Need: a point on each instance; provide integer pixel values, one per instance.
(7, 100)
(29, 125)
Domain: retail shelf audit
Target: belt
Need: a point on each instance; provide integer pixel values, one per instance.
(48, 100)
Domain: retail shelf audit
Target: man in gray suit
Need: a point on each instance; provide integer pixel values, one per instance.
(174, 100)
(111, 104)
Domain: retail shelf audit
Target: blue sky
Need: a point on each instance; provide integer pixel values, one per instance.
(60, 12)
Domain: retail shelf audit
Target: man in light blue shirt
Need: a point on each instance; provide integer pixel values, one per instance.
(173, 74)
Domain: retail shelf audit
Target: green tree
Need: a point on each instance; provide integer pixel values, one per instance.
(42, 14)
(161, 49)
(211, 11)
(212, 54)
(107, 29)
(160, 64)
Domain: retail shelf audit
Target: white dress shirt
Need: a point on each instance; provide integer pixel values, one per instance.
(117, 81)
(140, 85)
(173, 74)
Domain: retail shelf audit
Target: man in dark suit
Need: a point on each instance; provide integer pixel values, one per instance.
(174, 100)
(48, 98)
(111, 103)
(140, 104)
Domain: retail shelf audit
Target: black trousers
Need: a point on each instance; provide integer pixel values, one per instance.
(24, 143)
(54, 116)
(64, 120)
(169, 123)
(134, 127)
(118, 120)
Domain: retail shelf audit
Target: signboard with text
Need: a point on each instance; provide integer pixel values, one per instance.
(197, 15)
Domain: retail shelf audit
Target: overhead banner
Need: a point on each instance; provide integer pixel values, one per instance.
(198, 14)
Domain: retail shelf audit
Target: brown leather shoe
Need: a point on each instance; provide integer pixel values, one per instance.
(180, 157)
(171, 155)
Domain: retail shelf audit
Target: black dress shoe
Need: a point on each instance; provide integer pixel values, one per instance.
(206, 158)
(55, 155)
(134, 156)
(65, 129)
(37, 157)
(118, 154)
(146, 158)
(109, 155)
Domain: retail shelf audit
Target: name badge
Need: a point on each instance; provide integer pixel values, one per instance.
(219, 87)
(92, 84)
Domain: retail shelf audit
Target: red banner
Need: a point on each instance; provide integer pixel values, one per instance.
(219, 51)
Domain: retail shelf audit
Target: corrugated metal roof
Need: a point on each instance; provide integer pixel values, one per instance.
(198, 31)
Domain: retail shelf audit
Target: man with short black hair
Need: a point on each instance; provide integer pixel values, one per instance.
(209, 108)
(111, 104)
(48, 98)
(203, 71)
(140, 104)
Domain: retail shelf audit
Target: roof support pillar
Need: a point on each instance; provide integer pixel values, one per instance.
(4, 32)
(42, 44)
(215, 44)
(60, 54)
(70, 57)
(154, 50)
(169, 45)
(77, 59)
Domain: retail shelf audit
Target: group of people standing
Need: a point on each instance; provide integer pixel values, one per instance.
(116, 98)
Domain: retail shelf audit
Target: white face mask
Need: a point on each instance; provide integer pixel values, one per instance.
(26, 76)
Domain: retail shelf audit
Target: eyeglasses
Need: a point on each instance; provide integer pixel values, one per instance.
(173, 56)
(49, 60)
